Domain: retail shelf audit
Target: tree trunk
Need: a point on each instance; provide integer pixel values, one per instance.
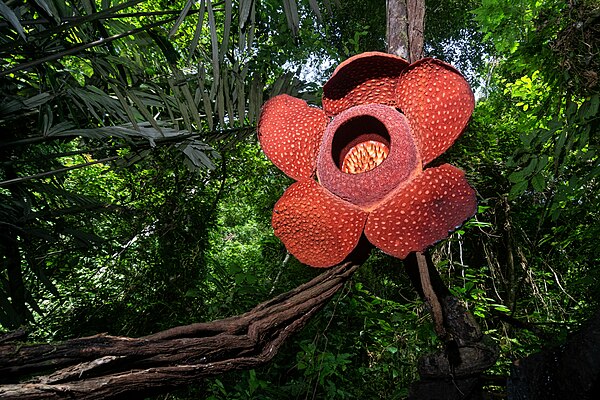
(397, 28)
(455, 371)
(405, 28)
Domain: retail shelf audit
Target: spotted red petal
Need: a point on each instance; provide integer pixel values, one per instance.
(363, 79)
(318, 228)
(290, 131)
(422, 212)
(438, 102)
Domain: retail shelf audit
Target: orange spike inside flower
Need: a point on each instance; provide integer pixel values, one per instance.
(364, 157)
(367, 151)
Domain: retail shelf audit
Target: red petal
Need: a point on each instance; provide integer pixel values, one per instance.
(318, 228)
(422, 212)
(290, 132)
(363, 79)
(438, 103)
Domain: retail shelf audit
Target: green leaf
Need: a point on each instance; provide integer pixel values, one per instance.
(501, 308)
(196, 155)
(47, 9)
(87, 5)
(518, 189)
(594, 104)
(182, 16)
(226, 30)
(165, 46)
(241, 99)
(531, 166)
(291, 12)
(128, 110)
(589, 108)
(521, 175)
(560, 143)
(541, 163)
(228, 100)
(197, 32)
(314, 6)
(144, 111)
(37, 100)
(571, 109)
(244, 12)
(538, 182)
(214, 44)
(11, 17)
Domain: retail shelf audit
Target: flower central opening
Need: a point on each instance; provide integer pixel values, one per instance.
(360, 144)
(364, 157)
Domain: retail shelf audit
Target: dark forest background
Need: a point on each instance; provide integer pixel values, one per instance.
(134, 196)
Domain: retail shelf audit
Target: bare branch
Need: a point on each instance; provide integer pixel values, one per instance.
(104, 366)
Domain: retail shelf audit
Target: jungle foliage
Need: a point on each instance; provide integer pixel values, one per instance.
(134, 196)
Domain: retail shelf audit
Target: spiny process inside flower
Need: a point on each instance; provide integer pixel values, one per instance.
(366, 152)
(364, 157)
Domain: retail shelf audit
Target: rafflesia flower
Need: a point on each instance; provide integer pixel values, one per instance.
(382, 122)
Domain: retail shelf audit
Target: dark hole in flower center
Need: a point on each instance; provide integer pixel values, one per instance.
(360, 144)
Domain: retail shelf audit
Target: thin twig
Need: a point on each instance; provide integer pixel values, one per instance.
(56, 171)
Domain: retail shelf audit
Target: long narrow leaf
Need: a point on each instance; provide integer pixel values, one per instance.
(251, 29)
(205, 98)
(166, 102)
(90, 104)
(46, 7)
(221, 106)
(191, 104)
(165, 46)
(183, 109)
(288, 15)
(226, 30)
(244, 12)
(291, 12)
(182, 16)
(295, 16)
(214, 42)
(228, 90)
(88, 6)
(241, 100)
(37, 100)
(240, 92)
(11, 17)
(256, 97)
(314, 6)
(144, 111)
(195, 153)
(198, 31)
(125, 106)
